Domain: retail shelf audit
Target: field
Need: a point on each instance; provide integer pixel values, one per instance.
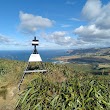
(64, 87)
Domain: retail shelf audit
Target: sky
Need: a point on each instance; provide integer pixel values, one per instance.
(57, 24)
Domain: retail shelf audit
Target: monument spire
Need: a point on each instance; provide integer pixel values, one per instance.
(35, 43)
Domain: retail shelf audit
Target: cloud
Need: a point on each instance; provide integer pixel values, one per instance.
(59, 37)
(98, 13)
(92, 9)
(103, 20)
(97, 31)
(4, 39)
(70, 2)
(65, 25)
(30, 23)
(92, 34)
(74, 19)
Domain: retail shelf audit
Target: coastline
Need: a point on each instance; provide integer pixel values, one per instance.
(84, 59)
(67, 58)
(20, 55)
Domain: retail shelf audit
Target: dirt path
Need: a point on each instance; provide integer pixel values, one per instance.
(8, 97)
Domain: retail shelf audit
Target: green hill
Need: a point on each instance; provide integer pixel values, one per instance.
(63, 87)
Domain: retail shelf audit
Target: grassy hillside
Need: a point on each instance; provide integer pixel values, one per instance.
(10, 73)
(63, 87)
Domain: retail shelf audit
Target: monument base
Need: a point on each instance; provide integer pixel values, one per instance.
(35, 58)
(35, 64)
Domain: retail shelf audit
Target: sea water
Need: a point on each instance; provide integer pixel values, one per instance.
(23, 55)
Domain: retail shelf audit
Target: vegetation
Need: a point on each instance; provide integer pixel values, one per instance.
(76, 91)
(83, 94)
(63, 87)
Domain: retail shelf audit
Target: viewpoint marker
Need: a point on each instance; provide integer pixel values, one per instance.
(35, 64)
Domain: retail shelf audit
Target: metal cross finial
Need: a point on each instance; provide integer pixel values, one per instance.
(35, 43)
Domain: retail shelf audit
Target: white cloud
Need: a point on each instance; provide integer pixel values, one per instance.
(30, 23)
(92, 9)
(95, 12)
(4, 39)
(75, 19)
(60, 38)
(65, 25)
(97, 32)
(103, 20)
(92, 34)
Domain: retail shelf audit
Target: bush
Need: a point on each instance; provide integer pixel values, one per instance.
(73, 94)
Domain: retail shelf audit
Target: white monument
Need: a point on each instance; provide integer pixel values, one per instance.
(34, 63)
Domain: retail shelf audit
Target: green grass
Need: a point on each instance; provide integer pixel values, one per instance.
(63, 87)
(79, 90)
(88, 93)
(10, 71)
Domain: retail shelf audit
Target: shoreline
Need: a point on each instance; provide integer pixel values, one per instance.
(66, 58)
(84, 59)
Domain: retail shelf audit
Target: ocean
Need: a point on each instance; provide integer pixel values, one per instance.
(23, 55)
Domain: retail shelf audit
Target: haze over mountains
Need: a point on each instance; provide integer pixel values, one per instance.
(93, 51)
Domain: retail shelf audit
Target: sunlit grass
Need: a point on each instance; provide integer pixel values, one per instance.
(78, 91)
(63, 87)
(73, 94)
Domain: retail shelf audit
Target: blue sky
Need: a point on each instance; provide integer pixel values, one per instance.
(58, 24)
